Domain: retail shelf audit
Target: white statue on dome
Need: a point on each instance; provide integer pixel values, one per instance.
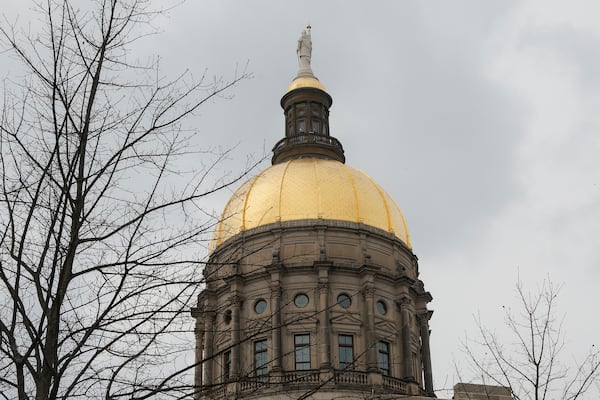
(304, 51)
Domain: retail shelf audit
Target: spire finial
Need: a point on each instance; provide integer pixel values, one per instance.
(304, 52)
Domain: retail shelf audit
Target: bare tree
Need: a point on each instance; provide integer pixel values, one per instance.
(531, 361)
(100, 225)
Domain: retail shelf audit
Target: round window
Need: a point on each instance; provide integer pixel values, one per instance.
(301, 300)
(381, 307)
(260, 306)
(344, 300)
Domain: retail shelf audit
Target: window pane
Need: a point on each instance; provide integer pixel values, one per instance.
(301, 300)
(345, 339)
(303, 354)
(315, 126)
(260, 357)
(346, 350)
(261, 345)
(344, 300)
(302, 351)
(302, 339)
(260, 306)
(381, 307)
(383, 357)
(315, 109)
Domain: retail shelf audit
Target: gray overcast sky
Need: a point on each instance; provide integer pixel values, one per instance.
(480, 118)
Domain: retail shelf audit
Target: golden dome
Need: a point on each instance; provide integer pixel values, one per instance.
(310, 188)
(305, 82)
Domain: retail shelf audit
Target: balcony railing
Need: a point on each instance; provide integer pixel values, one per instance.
(351, 377)
(395, 384)
(326, 144)
(304, 376)
(313, 378)
(254, 384)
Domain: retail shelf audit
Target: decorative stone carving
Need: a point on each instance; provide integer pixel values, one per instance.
(366, 258)
(323, 287)
(404, 302)
(420, 286)
(276, 290)
(369, 290)
(400, 269)
(235, 300)
(424, 317)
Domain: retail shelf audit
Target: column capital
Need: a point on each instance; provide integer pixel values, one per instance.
(323, 287)
(276, 289)
(404, 302)
(211, 316)
(424, 316)
(235, 300)
(368, 289)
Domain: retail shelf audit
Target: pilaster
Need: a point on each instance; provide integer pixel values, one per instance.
(324, 319)
(423, 319)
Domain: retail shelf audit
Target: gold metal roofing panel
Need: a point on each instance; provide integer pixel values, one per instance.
(306, 82)
(310, 188)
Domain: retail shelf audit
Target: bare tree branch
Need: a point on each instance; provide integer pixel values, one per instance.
(99, 226)
(531, 363)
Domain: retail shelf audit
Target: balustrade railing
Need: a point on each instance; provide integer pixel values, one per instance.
(307, 138)
(254, 384)
(312, 378)
(351, 377)
(304, 376)
(395, 384)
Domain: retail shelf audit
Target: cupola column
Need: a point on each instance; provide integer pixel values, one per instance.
(425, 350)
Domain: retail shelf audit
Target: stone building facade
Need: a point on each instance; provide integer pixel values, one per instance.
(312, 288)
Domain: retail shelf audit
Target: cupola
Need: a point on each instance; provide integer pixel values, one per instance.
(306, 106)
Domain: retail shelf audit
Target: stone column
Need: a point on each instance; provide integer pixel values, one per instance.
(407, 354)
(370, 337)
(236, 304)
(209, 347)
(425, 351)
(324, 329)
(276, 324)
(199, 331)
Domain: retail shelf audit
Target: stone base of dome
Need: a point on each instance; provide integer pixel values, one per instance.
(349, 292)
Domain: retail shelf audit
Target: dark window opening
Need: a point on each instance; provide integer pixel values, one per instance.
(301, 127)
(315, 126)
(302, 351)
(315, 110)
(383, 357)
(346, 351)
(261, 360)
(227, 365)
